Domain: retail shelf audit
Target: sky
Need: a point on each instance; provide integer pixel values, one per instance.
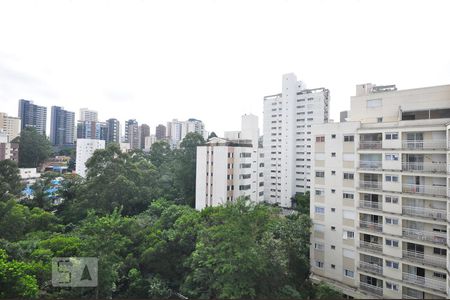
(155, 60)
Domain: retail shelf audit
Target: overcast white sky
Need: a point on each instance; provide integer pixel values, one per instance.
(212, 60)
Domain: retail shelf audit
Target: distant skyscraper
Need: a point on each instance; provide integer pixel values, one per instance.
(10, 125)
(177, 130)
(113, 135)
(33, 115)
(160, 132)
(92, 130)
(88, 115)
(132, 133)
(62, 127)
(144, 131)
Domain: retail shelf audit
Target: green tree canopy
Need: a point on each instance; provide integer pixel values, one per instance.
(10, 183)
(34, 148)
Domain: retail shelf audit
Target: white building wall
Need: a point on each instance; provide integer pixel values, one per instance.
(85, 149)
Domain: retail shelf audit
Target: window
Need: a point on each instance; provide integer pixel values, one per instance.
(392, 264)
(440, 275)
(333, 209)
(349, 138)
(348, 195)
(373, 103)
(391, 221)
(380, 120)
(391, 286)
(391, 199)
(333, 154)
(319, 264)
(348, 176)
(391, 156)
(348, 235)
(319, 246)
(391, 243)
(440, 251)
(319, 210)
(349, 273)
(333, 191)
(333, 172)
(333, 228)
(320, 139)
(333, 136)
(333, 266)
(391, 136)
(320, 192)
(320, 174)
(391, 178)
(333, 247)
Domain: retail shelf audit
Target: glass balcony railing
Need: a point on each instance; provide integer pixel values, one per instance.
(376, 290)
(371, 185)
(418, 211)
(370, 164)
(434, 284)
(424, 144)
(424, 167)
(371, 226)
(433, 260)
(431, 190)
(373, 247)
(423, 235)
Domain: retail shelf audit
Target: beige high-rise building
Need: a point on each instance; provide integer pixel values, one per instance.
(380, 188)
(10, 125)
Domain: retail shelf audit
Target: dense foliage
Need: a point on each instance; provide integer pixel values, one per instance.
(134, 212)
(34, 148)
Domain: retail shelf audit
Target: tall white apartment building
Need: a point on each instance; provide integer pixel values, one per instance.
(379, 195)
(85, 149)
(88, 115)
(177, 130)
(288, 117)
(230, 167)
(10, 125)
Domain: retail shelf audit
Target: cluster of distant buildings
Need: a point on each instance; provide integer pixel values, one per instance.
(88, 133)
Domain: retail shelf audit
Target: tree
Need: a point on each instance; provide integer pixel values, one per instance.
(301, 203)
(16, 279)
(212, 135)
(34, 148)
(324, 291)
(10, 183)
(186, 166)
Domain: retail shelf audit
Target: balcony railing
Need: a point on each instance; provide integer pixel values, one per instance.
(424, 167)
(370, 164)
(425, 189)
(434, 284)
(422, 235)
(372, 185)
(372, 226)
(370, 144)
(424, 144)
(371, 267)
(433, 260)
(377, 290)
(409, 293)
(374, 247)
(370, 204)
(417, 211)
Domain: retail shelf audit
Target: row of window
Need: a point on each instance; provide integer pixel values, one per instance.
(347, 138)
(347, 176)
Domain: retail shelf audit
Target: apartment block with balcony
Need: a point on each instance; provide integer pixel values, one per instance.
(402, 187)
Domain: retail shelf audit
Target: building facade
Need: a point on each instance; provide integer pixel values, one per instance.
(379, 196)
(288, 117)
(10, 125)
(144, 132)
(113, 134)
(88, 115)
(160, 132)
(177, 130)
(8, 150)
(132, 134)
(32, 115)
(85, 149)
(92, 130)
(230, 168)
(62, 127)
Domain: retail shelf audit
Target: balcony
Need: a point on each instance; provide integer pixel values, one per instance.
(426, 282)
(373, 247)
(417, 211)
(428, 236)
(371, 226)
(370, 145)
(370, 185)
(424, 144)
(371, 267)
(370, 204)
(420, 257)
(376, 290)
(424, 167)
(425, 189)
(370, 164)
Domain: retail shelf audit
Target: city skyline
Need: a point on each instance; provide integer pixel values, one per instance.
(190, 70)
